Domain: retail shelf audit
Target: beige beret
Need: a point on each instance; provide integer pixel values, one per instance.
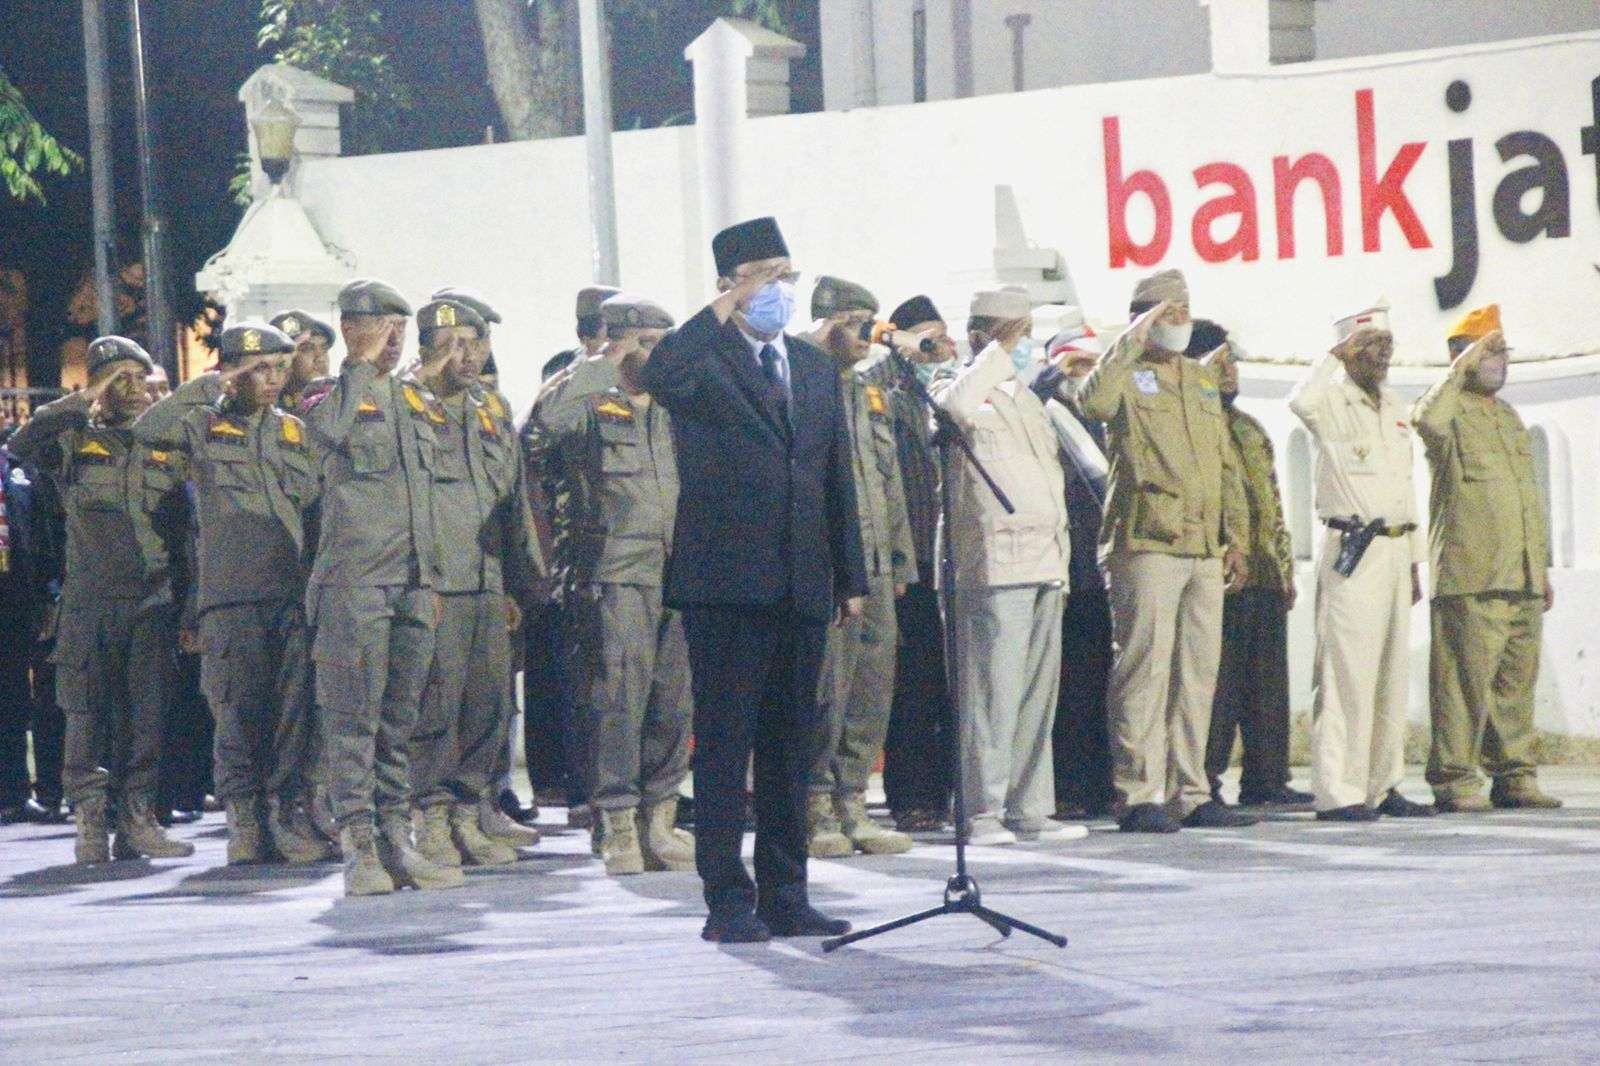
(1162, 285)
(1011, 302)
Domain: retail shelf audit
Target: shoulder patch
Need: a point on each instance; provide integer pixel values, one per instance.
(291, 431)
(496, 405)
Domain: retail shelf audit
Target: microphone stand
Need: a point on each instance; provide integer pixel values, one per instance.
(961, 892)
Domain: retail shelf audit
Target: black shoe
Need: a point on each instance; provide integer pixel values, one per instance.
(1397, 806)
(1275, 797)
(1214, 815)
(920, 821)
(741, 927)
(513, 808)
(184, 817)
(1356, 812)
(54, 812)
(1147, 818)
(803, 921)
(685, 818)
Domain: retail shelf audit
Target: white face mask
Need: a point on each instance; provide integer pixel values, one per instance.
(1171, 338)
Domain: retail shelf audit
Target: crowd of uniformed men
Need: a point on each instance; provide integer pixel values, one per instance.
(352, 556)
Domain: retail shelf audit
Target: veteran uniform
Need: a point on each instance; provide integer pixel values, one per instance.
(489, 554)
(1490, 555)
(126, 515)
(1172, 512)
(1362, 668)
(856, 687)
(372, 599)
(1010, 587)
(254, 473)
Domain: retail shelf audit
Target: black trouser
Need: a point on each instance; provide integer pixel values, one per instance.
(1252, 691)
(16, 702)
(1080, 744)
(916, 752)
(754, 673)
(186, 741)
(49, 729)
(548, 742)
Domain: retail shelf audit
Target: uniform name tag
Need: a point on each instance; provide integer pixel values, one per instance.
(1145, 381)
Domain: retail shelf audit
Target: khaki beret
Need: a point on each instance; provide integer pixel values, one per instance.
(471, 299)
(440, 314)
(835, 296)
(297, 322)
(1011, 302)
(107, 350)
(368, 296)
(590, 299)
(1162, 285)
(626, 311)
(250, 338)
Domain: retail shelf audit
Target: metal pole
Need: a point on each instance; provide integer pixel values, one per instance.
(96, 73)
(597, 138)
(158, 312)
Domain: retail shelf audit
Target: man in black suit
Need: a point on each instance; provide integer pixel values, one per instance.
(767, 550)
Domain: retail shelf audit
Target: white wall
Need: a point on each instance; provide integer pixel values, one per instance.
(511, 220)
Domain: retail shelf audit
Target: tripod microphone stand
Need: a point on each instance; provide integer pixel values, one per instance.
(961, 892)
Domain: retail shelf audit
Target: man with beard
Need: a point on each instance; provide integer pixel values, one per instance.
(1490, 540)
(371, 594)
(254, 475)
(313, 339)
(1367, 576)
(1170, 545)
(500, 814)
(916, 750)
(126, 514)
(856, 689)
(631, 683)
(1252, 698)
(766, 550)
(491, 558)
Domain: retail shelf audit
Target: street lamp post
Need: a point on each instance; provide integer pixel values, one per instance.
(163, 335)
(597, 138)
(97, 78)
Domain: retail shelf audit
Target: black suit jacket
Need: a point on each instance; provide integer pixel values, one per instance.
(766, 504)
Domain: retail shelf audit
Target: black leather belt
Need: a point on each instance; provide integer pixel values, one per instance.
(1353, 524)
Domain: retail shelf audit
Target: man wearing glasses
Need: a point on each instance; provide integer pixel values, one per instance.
(767, 550)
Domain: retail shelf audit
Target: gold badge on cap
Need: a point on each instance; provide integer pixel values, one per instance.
(291, 326)
(445, 316)
(251, 341)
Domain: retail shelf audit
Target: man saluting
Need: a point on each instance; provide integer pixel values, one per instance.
(767, 544)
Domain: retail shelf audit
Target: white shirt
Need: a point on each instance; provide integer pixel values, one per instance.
(1364, 449)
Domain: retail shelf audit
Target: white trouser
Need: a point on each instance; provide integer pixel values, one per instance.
(1362, 674)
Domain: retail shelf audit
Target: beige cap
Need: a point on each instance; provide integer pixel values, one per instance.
(1374, 317)
(1162, 285)
(1011, 302)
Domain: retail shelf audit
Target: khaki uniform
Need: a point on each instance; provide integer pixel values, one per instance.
(1252, 697)
(856, 688)
(481, 516)
(370, 596)
(1011, 576)
(1362, 668)
(1490, 544)
(620, 496)
(125, 516)
(1173, 505)
(254, 477)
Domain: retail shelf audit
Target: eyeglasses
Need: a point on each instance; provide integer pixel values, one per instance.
(792, 277)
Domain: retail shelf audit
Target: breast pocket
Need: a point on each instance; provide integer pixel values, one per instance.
(373, 450)
(619, 448)
(231, 473)
(97, 487)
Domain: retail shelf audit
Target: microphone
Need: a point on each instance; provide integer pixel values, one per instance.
(885, 333)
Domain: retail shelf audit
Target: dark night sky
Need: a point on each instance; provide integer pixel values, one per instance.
(198, 53)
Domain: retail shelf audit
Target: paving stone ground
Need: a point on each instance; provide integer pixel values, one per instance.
(1463, 938)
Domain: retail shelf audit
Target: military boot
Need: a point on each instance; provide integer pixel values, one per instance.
(620, 843)
(825, 840)
(94, 838)
(663, 845)
(364, 874)
(497, 826)
(433, 839)
(245, 843)
(476, 848)
(138, 834)
(406, 865)
(1521, 793)
(293, 835)
(865, 834)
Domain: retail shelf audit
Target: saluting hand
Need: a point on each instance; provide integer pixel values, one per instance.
(725, 305)
(1140, 330)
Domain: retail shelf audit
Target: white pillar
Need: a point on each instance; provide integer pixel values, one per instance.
(1241, 35)
(741, 70)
